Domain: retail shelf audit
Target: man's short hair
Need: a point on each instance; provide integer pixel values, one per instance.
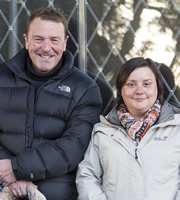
(48, 14)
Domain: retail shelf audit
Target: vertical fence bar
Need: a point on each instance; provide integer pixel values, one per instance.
(82, 35)
(13, 42)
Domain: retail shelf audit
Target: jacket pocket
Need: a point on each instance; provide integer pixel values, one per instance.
(178, 195)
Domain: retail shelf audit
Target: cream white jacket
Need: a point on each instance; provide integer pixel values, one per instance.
(115, 169)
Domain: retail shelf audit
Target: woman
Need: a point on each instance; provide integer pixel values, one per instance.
(134, 153)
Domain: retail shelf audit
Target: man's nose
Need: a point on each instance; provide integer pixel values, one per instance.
(46, 45)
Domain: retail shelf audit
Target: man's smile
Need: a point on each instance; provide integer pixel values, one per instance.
(45, 56)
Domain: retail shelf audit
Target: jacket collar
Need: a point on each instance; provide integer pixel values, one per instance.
(167, 113)
(18, 62)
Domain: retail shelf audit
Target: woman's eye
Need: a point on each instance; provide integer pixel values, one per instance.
(146, 84)
(130, 84)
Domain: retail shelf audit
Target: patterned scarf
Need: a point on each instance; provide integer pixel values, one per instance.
(137, 129)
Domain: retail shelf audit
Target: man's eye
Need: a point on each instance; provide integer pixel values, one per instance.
(55, 41)
(38, 40)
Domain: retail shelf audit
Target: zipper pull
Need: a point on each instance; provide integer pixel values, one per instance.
(136, 144)
(136, 157)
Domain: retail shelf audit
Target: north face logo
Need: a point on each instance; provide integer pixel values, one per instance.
(65, 88)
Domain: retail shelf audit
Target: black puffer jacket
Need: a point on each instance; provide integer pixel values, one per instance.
(45, 135)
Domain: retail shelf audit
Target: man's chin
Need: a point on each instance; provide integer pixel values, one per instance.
(42, 70)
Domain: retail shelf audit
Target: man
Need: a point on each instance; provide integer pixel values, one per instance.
(47, 111)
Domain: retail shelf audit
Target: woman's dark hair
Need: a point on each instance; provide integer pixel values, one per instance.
(48, 14)
(128, 67)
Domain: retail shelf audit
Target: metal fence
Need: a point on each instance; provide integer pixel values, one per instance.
(106, 33)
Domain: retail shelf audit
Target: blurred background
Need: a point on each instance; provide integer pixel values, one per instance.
(106, 33)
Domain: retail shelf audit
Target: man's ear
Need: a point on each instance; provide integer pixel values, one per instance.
(66, 39)
(26, 40)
